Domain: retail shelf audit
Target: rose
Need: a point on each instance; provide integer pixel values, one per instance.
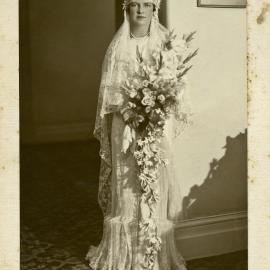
(161, 99)
(145, 83)
(146, 91)
(148, 101)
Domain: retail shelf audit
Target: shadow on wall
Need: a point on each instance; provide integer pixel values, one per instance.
(225, 187)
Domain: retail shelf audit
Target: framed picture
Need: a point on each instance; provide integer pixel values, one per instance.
(222, 3)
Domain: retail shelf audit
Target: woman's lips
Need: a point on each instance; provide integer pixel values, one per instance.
(141, 17)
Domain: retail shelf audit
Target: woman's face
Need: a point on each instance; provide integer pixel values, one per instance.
(141, 12)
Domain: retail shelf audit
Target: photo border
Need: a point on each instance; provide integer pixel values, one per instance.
(258, 133)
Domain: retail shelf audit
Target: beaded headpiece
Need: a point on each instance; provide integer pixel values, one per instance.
(155, 2)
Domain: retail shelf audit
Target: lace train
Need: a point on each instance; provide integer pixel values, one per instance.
(121, 247)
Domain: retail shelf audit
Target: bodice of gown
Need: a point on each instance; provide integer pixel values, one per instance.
(131, 61)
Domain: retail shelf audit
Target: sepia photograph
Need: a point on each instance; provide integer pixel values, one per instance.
(133, 135)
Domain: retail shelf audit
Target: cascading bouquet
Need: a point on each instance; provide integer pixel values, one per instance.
(152, 94)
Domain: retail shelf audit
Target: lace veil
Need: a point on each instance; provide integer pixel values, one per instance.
(110, 99)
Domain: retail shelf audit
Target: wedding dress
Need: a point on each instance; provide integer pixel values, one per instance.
(122, 244)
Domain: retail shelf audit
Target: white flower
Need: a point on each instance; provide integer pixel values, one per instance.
(154, 147)
(178, 45)
(156, 195)
(146, 91)
(149, 163)
(132, 105)
(151, 137)
(145, 169)
(140, 142)
(167, 73)
(139, 162)
(132, 93)
(166, 161)
(161, 98)
(147, 152)
(135, 82)
(145, 83)
(138, 154)
(170, 59)
(148, 101)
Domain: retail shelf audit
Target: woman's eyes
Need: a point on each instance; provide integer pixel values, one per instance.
(148, 4)
(134, 4)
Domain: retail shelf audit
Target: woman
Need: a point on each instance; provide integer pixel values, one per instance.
(123, 246)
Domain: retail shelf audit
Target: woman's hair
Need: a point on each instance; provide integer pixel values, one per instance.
(154, 8)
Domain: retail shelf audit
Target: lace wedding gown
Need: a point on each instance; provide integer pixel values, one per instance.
(122, 244)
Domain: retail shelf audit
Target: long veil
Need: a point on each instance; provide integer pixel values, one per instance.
(110, 100)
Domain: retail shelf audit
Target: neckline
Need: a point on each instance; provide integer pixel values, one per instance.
(139, 38)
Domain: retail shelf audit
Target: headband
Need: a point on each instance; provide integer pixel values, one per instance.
(155, 2)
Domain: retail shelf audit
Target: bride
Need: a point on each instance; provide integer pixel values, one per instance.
(125, 244)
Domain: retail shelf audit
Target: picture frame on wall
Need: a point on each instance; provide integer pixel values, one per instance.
(222, 3)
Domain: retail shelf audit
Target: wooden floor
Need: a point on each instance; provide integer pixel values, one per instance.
(60, 216)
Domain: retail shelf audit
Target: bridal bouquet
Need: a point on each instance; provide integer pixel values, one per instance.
(153, 93)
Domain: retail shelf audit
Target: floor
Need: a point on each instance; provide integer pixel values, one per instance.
(60, 216)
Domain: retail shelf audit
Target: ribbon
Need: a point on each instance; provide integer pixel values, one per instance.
(129, 136)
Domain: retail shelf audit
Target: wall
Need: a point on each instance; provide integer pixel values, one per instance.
(217, 87)
(62, 47)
